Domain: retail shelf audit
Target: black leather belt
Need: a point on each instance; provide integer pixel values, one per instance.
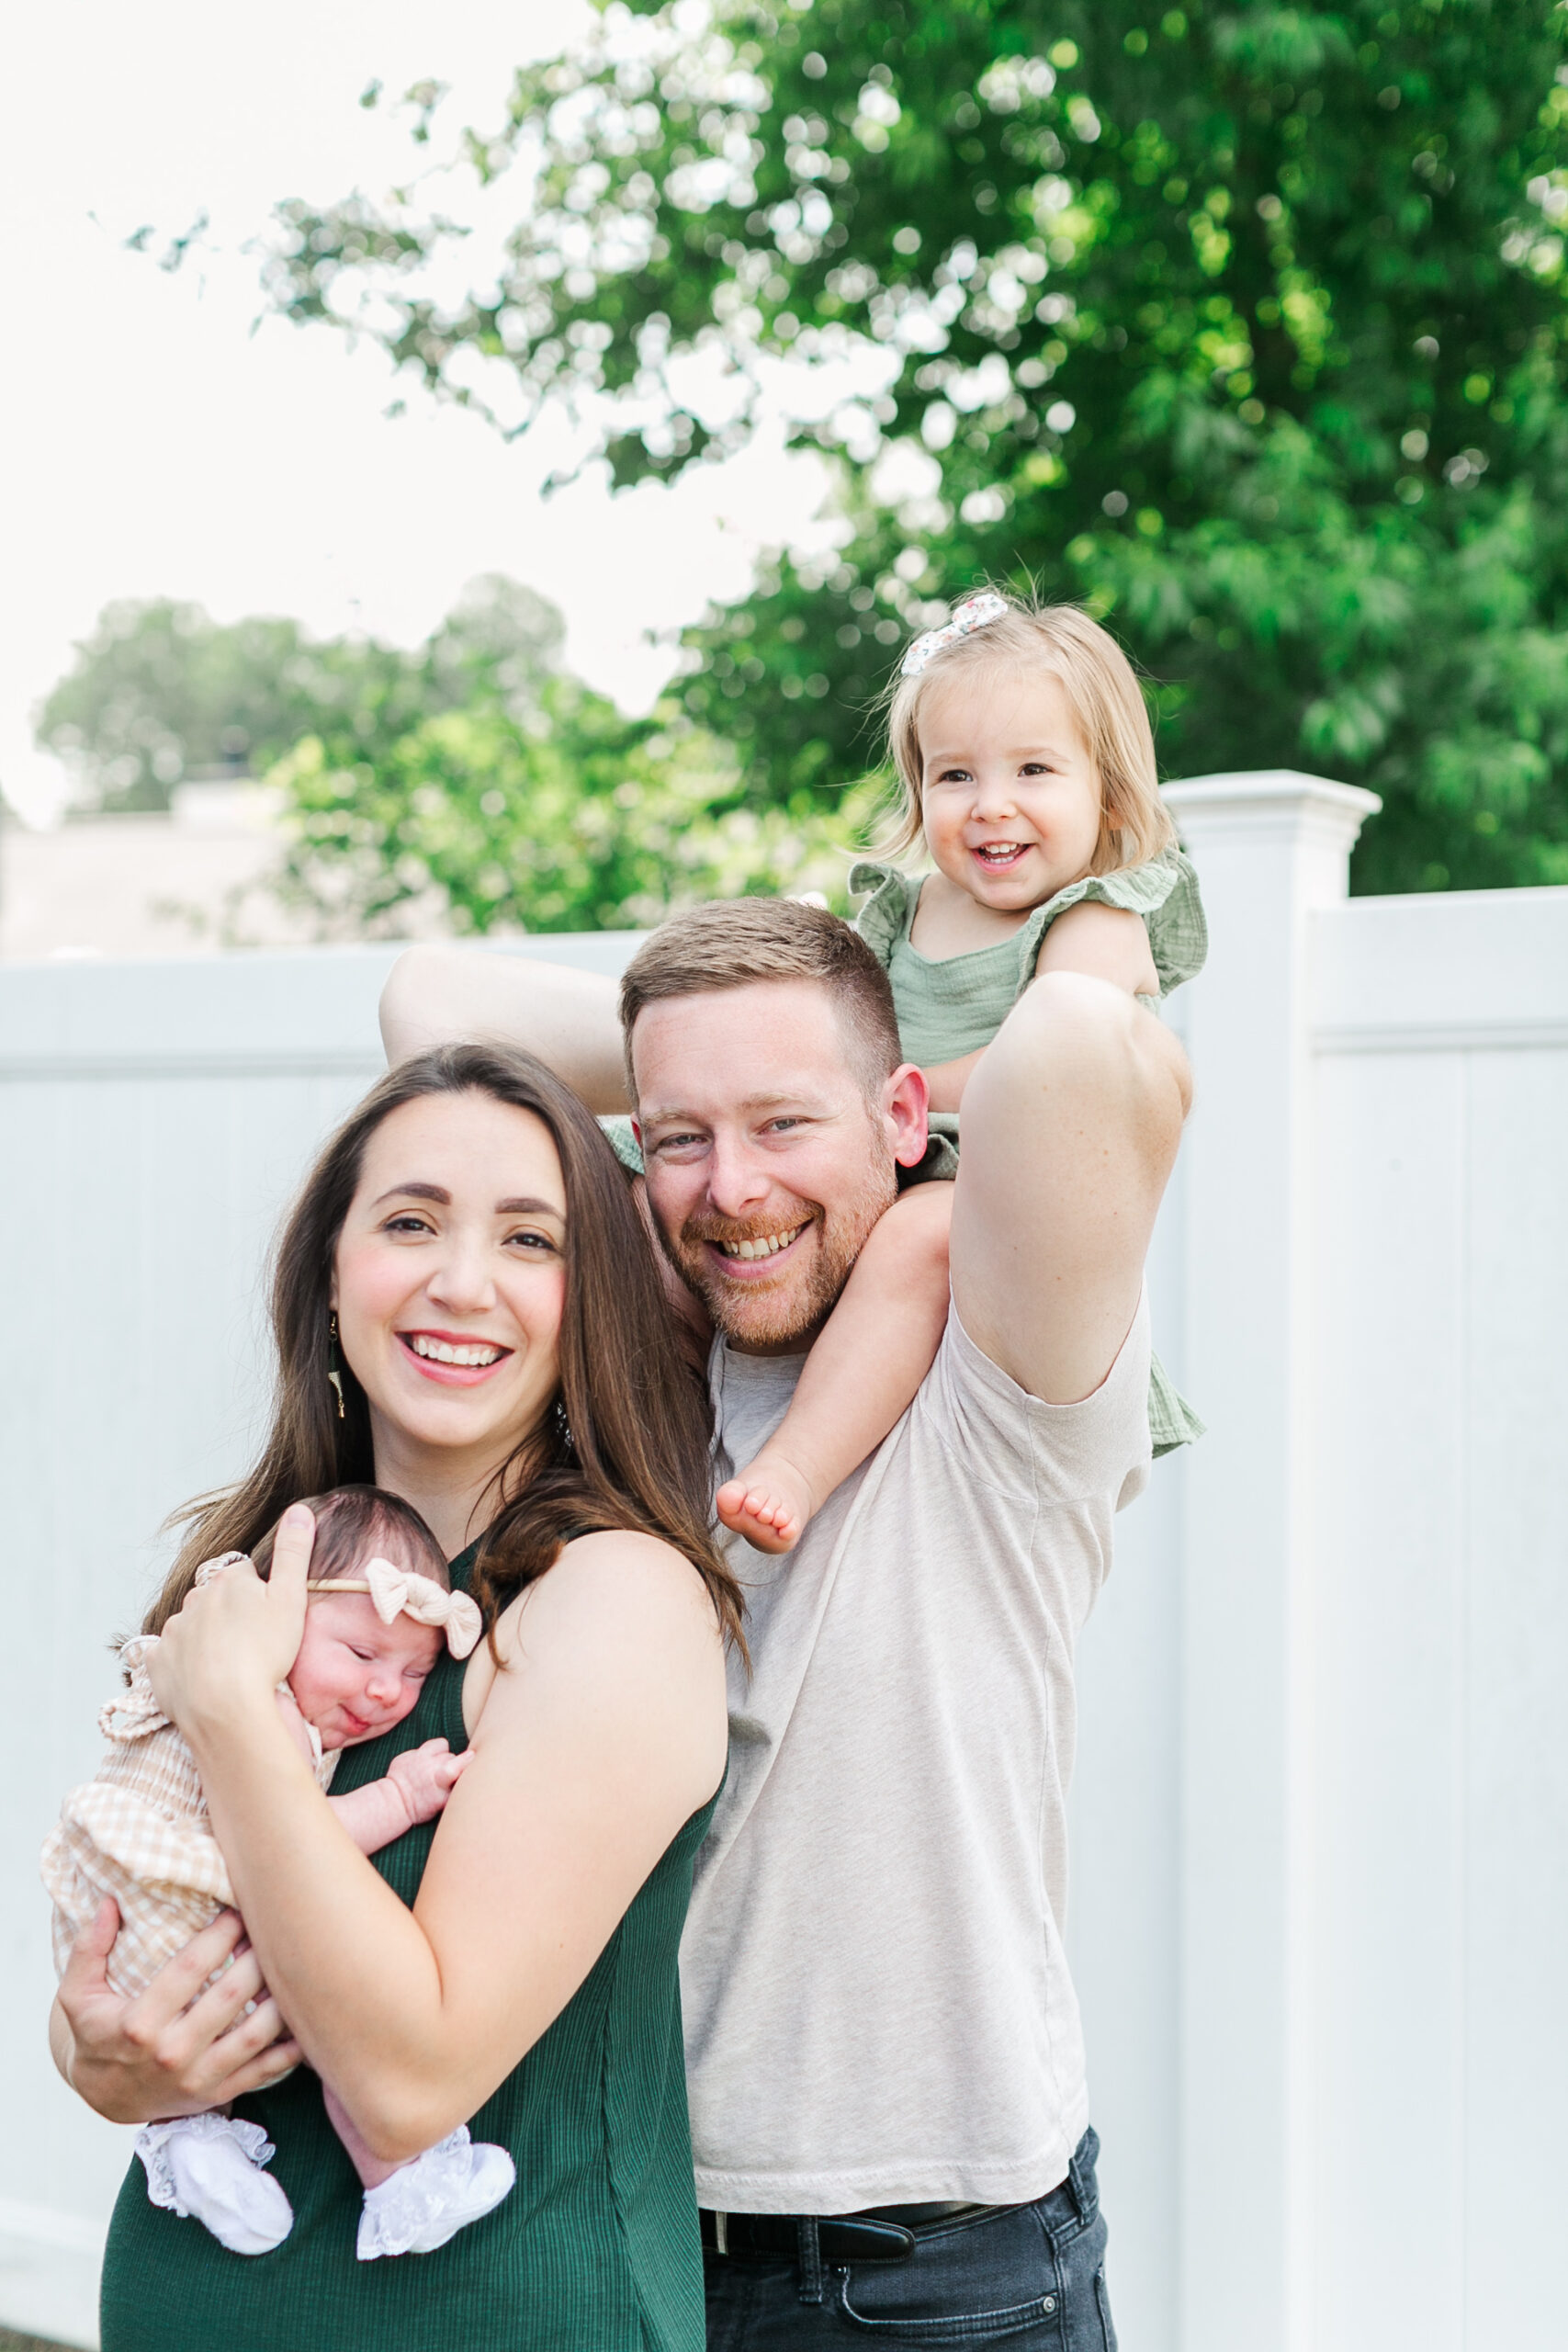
(885, 2234)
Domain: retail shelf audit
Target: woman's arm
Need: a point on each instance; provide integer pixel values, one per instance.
(173, 2049)
(604, 1732)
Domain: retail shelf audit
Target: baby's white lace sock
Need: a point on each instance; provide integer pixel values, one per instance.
(208, 2168)
(426, 2202)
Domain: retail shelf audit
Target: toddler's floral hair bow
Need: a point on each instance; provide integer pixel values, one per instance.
(975, 612)
(399, 1592)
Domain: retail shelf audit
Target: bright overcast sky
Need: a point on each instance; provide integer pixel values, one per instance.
(155, 447)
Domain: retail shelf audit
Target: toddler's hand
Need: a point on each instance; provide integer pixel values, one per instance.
(425, 1777)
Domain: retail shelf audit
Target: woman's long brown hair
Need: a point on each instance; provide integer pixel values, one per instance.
(638, 1456)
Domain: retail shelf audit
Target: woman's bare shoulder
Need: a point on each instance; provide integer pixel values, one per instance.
(621, 1595)
(621, 1632)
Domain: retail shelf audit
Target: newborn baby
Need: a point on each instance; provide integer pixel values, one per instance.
(380, 1607)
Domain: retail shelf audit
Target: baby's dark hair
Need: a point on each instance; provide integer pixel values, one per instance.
(355, 1523)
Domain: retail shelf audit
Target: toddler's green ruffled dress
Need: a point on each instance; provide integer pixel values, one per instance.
(952, 1008)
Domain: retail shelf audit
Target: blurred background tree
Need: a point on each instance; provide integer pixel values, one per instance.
(1244, 325)
(569, 817)
(469, 779)
(161, 692)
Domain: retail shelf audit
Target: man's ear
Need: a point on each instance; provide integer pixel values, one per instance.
(905, 1103)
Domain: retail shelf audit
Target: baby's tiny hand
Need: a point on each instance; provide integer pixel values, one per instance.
(425, 1777)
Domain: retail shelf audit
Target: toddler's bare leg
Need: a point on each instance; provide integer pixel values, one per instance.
(435, 995)
(874, 1350)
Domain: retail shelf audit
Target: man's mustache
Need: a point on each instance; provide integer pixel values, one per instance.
(727, 1230)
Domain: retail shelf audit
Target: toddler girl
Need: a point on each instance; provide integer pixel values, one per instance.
(382, 1603)
(1022, 745)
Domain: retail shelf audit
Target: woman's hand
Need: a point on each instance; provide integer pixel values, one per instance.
(236, 1638)
(607, 1733)
(174, 2049)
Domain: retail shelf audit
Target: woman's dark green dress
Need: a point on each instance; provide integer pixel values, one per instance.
(596, 2248)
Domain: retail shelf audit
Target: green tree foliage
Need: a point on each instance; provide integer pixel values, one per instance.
(160, 691)
(469, 781)
(1242, 323)
(566, 816)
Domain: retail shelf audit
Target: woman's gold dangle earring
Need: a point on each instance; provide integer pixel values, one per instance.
(335, 1361)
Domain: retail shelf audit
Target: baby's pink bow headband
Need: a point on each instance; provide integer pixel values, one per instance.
(975, 612)
(399, 1592)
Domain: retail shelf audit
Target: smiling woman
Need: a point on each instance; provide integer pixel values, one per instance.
(467, 1313)
(397, 1255)
(448, 1298)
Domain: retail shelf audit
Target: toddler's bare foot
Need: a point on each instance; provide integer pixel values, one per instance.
(770, 1502)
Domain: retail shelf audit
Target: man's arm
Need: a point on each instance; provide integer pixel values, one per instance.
(1107, 943)
(435, 995)
(1071, 1123)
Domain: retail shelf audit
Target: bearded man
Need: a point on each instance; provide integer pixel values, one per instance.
(889, 2112)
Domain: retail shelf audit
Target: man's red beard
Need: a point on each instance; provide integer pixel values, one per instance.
(771, 1314)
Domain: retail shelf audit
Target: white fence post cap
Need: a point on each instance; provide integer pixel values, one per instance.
(1263, 800)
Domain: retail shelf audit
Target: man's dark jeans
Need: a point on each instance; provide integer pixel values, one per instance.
(1031, 2278)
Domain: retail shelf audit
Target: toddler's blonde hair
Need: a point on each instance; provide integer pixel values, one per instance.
(1107, 707)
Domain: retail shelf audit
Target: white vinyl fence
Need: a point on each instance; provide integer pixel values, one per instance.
(1320, 1923)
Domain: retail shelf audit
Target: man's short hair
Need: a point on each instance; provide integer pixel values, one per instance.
(734, 943)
